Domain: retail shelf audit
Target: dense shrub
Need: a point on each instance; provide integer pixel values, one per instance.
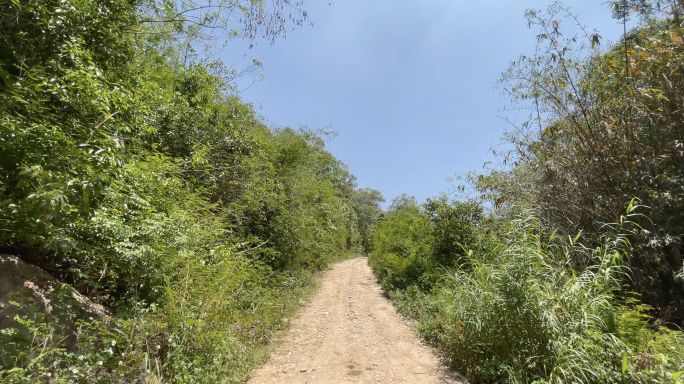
(605, 126)
(413, 245)
(132, 173)
(517, 312)
(556, 295)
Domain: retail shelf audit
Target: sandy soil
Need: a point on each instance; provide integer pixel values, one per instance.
(350, 333)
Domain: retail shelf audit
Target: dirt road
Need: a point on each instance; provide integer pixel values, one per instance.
(350, 333)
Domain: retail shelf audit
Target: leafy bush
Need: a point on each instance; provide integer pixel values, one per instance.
(413, 245)
(132, 173)
(518, 313)
(531, 305)
(604, 127)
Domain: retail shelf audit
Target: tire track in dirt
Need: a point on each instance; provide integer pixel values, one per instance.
(350, 333)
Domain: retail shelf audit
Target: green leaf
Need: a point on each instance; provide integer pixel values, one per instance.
(577, 237)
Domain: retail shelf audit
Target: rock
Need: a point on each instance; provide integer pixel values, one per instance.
(27, 285)
(303, 369)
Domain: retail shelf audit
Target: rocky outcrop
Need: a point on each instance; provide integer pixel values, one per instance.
(25, 289)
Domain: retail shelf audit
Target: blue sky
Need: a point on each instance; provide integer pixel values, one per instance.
(406, 84)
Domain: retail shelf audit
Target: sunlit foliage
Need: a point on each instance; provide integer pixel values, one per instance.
(131, 172)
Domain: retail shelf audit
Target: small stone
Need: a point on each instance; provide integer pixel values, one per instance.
(313, 369)
(284, 370)
(303, 369)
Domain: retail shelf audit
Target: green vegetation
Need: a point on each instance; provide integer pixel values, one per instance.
(134, 175)
(131, 173)
(510, 308)
(573, 273)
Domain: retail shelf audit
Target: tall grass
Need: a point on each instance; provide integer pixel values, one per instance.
(521, 314)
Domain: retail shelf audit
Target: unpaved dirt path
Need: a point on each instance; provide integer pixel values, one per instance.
(350, 333)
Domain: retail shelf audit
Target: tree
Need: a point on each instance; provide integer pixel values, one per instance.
(132, 173)
(366, 204)
(404, 202)
(604, 128)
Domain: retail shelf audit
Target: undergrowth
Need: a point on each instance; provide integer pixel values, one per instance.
(196, 346)
(134, 174)
(518, 313)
